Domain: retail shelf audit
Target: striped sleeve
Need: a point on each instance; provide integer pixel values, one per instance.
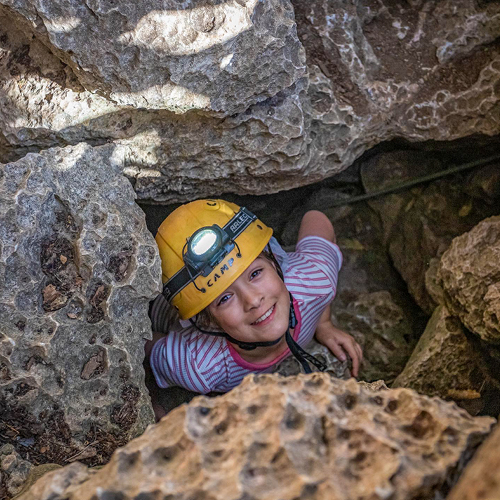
(323, 255)
(173, 363)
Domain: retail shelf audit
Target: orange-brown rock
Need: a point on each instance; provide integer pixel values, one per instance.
(481, 478)
(309, 436)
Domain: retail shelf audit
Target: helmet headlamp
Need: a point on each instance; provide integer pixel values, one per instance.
(206, 248)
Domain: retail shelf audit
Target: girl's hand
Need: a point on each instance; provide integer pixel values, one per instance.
(340, 343)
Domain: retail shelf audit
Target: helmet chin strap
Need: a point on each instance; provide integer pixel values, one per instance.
(302, 356)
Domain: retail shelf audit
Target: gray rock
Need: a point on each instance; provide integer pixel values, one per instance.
(291, 366)
(77, 271)
(213, 56)
(373, 74)
(14, 471)
(383, 330)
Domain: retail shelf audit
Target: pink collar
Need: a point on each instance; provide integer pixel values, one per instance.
(262, 366)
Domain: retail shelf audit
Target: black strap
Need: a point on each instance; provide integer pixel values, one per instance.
(303, 356)
(187, 274)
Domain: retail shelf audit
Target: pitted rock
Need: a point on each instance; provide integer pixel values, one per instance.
(297, 437)
(470, 276)
(78, 268)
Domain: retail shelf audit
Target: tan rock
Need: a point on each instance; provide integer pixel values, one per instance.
(443, 363)
(481, 478)
(470, 274)
(298, 437)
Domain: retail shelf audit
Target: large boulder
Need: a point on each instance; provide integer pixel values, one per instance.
(157, 54)
(299, 437)
(78, 268)
(470, 277)
(284, 126)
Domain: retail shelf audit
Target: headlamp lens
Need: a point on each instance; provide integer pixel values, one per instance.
(203, 241)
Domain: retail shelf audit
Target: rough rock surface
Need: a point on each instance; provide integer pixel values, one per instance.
(470, 276)
(374, 72)
(220, 56)
(298, 437)
(77, 271)
(481, 478)
(382, 328)
(13, 471)
(291, 366)
(419, 224)
(444, 363)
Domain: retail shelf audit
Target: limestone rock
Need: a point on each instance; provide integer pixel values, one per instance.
(382, 329)
(481, 478)
(373, 73)
(443, 363)
(165, 55)
(297, 437)
(432, 282)
(42, 104)
(470, 276)
(78, 268)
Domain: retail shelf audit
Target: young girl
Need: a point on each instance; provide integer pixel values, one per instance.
(242, 303)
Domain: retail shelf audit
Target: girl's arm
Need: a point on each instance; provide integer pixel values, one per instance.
(315, 223)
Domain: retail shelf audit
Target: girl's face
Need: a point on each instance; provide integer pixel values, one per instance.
(255, 308)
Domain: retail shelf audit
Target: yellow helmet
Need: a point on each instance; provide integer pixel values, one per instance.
(204, 247)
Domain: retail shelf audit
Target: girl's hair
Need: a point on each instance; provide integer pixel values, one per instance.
(204, 319)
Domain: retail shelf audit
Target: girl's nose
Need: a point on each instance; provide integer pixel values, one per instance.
(252, 299)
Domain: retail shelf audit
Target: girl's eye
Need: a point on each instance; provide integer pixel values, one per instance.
(223, 300)
(255, 273)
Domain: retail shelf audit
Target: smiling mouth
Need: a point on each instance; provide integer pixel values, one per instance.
(265, 315)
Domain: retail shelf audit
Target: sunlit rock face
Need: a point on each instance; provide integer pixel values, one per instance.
(271, 118)
(299, 437)
(78, 268)
(216, 56)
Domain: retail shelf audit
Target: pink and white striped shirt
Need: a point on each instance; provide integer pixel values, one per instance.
(202, 363)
